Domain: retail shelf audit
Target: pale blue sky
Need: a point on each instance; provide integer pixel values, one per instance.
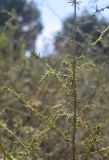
(54, 11)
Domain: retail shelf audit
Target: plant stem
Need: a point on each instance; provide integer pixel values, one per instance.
(97, 146)
(73, 157)
(74, 30)
(75, 112)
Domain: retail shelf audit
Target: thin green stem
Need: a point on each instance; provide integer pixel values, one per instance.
(19, 141)
(97, 147)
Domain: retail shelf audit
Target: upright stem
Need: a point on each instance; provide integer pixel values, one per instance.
(73, 157)
(74, 30)
(75, 112)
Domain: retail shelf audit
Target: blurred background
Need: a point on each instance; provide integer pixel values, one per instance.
(54, 13)
(33, 33)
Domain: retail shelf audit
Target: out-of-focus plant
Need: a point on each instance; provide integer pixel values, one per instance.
(58, 115)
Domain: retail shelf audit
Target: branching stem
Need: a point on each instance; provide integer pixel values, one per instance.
(96, 144)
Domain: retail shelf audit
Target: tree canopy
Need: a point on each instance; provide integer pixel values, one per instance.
(88, 30)
(25, 20)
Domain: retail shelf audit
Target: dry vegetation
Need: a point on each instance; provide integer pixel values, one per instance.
(55, 109)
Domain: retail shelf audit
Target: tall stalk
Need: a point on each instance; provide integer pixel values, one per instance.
(73, 156)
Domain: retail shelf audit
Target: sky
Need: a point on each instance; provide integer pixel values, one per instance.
(53, 12)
